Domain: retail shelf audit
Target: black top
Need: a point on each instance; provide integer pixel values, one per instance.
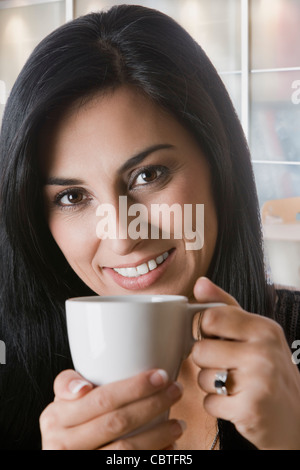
(21, 431)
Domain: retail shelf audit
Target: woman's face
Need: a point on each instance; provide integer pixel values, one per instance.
(122, 144)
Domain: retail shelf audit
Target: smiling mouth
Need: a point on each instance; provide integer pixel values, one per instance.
(144, 268)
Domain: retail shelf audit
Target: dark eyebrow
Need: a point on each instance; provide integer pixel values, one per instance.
(136, 159)
(63, 181)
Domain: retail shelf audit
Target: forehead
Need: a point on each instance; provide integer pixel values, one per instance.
(108, 128)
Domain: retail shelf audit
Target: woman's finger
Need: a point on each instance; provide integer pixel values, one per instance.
(231, 323)
(206, 291)
(224, 407)
(69, 385)
(207, 378)
(107, 398)
(110, 426)
(159, 437)
(219, 354)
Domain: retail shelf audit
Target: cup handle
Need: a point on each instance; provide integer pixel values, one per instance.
(192, 309)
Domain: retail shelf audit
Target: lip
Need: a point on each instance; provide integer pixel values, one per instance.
(143, 281)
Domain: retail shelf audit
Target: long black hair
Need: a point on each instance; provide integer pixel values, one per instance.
(125, 45)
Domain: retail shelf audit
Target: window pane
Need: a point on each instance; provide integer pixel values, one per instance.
(276, 181)
(275, 33)
(275, 116)
(21, 29)
(215, 25)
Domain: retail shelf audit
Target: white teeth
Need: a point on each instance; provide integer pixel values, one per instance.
(159, 259)
(131, 272)
(121, 271)
(152, 264)
(142, 268)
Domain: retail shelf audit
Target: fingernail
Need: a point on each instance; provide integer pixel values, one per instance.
(76, 385)
(175, 390)
(178, 427)
(202, 278)
(159, 377)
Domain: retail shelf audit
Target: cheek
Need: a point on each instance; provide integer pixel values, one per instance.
(77, 241)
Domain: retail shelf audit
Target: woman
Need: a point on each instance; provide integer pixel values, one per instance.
(126, 103)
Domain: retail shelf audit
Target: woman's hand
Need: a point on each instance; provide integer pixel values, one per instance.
(263, 383)
(86, 417)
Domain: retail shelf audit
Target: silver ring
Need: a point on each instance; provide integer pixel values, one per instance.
(220, 382)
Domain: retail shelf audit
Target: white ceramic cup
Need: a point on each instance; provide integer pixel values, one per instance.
(113, 338)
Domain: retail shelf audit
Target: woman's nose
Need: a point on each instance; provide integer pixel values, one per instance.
(122, 247)
(121, 231)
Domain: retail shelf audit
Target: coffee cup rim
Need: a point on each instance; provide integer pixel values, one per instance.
(138, 298)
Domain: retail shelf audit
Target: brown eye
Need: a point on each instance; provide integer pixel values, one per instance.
(147, 176)
(70, 198)
(74, 198)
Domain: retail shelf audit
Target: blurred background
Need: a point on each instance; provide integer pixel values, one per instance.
(255, 46)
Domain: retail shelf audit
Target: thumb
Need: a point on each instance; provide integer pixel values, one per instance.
(206, 291)
(69, 385)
